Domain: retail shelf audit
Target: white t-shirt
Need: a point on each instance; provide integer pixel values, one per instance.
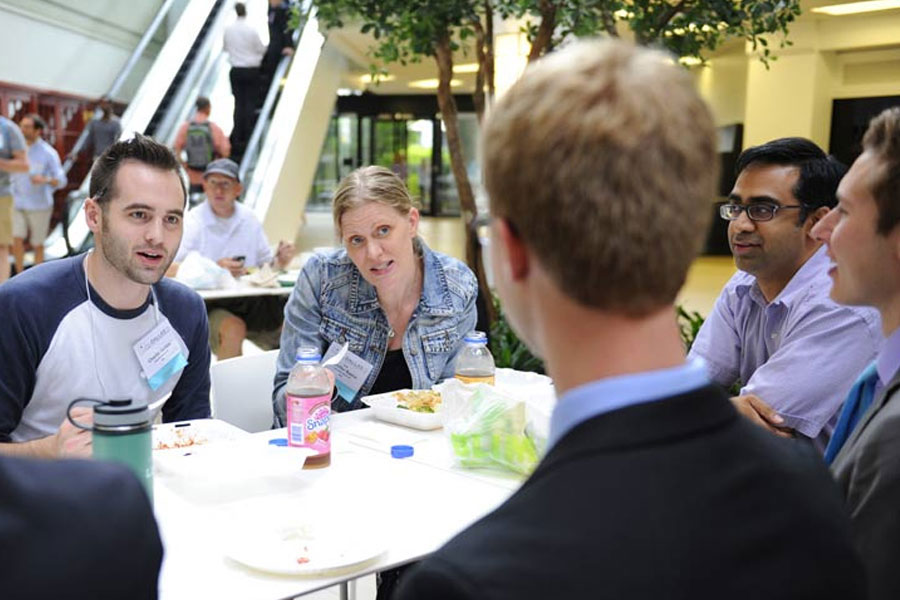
(214, 237)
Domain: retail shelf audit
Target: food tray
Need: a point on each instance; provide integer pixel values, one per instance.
(384, 407)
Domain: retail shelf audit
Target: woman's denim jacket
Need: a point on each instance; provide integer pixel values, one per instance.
(331, 302)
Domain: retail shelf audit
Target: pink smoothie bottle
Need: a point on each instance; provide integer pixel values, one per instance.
(308, 400)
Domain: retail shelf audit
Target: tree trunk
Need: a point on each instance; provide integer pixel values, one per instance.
(446, 103)
(489, 50)
(481, 57)
(545, 31)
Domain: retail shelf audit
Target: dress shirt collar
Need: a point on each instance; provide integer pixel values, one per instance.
(612, 393)
(888, 362)
(210, 219)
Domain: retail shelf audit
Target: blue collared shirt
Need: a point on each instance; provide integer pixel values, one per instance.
(800, 352)
(42, 160)
(612, 393)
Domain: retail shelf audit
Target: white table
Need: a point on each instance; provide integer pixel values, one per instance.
(415, 504)
(244, 290)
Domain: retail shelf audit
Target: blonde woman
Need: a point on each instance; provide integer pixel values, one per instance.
(401, 307)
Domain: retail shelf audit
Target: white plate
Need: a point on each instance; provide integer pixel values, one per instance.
(384, 407)
(185, 435)
(304, 550)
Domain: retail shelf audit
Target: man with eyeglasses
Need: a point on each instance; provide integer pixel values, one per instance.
(224, 230)
(774, 331)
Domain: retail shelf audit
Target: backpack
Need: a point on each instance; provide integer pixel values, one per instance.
(199, 145)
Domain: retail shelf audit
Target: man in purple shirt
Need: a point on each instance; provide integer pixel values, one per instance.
(863, 239)
(774, 330)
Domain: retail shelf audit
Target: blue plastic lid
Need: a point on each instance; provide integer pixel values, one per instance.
(476, 337)
(401, 451)
(278, 442)
(308, 355)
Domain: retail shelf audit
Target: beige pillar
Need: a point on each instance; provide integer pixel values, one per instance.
(290, 160)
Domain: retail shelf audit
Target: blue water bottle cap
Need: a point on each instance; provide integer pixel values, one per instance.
(278, 442)
(308, 355)
(401, 451)
(476, 337)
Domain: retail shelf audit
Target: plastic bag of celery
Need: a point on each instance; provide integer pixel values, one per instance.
(487, 428)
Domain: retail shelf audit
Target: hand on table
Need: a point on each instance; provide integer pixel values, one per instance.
(235, 267)
(284, 254)
(757, 411)
(71, 441)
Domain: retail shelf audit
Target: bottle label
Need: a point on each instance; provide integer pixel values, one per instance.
(309, 422)
(488, 379)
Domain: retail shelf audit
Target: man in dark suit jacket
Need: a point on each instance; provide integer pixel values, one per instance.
(75, 529)
(863, 238)
(281, 43)
(599, 163)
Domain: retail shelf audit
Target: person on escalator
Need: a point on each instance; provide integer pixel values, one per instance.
(280, 43)
(202, 141)
(245, 53)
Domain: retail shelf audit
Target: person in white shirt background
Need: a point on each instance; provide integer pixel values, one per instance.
(245, 53)
(227, 232)
(33, 192)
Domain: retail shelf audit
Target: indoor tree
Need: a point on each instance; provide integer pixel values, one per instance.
(413, 30)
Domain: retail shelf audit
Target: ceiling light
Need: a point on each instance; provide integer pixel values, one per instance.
(691, 61)
(852, 8)
(378, 78)
(431, 84)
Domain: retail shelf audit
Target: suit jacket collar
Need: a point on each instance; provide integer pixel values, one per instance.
(646, 424)
(877, 405)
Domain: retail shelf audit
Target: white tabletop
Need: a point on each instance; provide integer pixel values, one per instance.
(243, 290)
(414, 505)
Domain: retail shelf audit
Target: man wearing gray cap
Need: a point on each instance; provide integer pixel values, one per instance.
(224, 230)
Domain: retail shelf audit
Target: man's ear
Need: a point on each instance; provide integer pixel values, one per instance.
(515, 251)
(814, 217)
(93, 215)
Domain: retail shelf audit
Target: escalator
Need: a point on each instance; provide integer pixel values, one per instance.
(189, 63)
(166, 96)
(153, 111)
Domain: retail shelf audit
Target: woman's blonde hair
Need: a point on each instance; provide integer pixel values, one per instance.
(370, 184)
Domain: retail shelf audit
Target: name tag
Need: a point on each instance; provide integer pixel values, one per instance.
(350, 373)
(160, 355)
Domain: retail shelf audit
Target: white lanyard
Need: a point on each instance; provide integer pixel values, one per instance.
(87, 290)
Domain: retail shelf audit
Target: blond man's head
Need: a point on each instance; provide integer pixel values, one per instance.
(602, 159)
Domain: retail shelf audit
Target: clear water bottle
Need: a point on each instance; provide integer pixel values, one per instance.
(474, 364)
(308, 403)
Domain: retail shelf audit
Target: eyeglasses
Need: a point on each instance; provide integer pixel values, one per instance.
(222, 184)
(756, 212)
